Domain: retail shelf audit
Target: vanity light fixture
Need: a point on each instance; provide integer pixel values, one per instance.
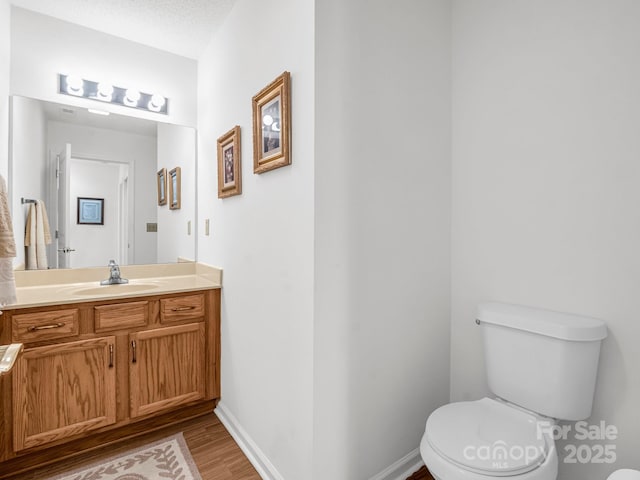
(107, 93)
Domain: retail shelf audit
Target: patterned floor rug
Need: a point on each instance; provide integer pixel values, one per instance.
(167, 459)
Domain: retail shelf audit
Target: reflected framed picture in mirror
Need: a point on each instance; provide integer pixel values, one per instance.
(90, 211)
(229, 170)
(174, 188)
(272, 125)
(162, 186)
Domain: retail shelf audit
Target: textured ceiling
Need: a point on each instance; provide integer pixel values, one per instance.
(183, 27)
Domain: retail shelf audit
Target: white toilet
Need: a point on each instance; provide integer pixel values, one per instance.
(625, 474)
(541, 365)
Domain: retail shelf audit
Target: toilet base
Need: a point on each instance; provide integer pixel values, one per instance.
(442, 469)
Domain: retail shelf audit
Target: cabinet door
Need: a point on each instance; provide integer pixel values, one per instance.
(63, 390)
(167, 368)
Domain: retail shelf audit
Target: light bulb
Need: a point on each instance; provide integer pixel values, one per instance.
(74, 85)
(131, 98)
(156, 103)
(105, 92)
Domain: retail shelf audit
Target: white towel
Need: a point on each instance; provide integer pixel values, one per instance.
(37, 237)
(7, 249)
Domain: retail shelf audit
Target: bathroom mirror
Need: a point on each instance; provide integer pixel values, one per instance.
(59, 154)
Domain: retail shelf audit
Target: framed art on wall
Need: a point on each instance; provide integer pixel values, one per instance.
(272, 125)
(174, 189)
(162, 186)
(229, 164)
(90, 211)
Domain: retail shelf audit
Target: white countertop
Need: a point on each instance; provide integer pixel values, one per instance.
(38, 288)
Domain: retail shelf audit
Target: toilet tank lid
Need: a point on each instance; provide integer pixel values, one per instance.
(564, 326)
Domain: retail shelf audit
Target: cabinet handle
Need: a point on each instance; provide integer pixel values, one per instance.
(182, 309)
(35, 328)
(133, 347)
(111, 356)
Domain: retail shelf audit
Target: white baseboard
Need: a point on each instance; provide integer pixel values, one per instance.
(399, 470)
(258, 459)
(402, 469)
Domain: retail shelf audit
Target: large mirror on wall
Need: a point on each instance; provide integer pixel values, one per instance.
(96, 177)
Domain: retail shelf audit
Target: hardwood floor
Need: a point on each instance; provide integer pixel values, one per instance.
(214, 451)
(422, 474)
(216, 454)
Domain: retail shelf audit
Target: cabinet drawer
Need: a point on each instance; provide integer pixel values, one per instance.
(181, 308)
(35, 327)
(121, 315)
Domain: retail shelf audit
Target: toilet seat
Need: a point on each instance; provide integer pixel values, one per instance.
(488, 437)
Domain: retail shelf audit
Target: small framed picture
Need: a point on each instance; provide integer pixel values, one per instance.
(174, 189)
(162, 186)
(90, 211)
(229, 166)
(272, 125)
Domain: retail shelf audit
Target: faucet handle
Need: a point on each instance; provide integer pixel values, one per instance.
(112, 263)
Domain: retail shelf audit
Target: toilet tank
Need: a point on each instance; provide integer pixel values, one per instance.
(541, 360)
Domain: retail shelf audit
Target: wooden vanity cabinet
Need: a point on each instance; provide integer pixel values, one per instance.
(63, 390)
(94, 372)
(167, 368)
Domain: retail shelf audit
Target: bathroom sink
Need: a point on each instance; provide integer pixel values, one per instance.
(125, 288)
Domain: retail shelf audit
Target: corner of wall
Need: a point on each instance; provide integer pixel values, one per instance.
(5, 65)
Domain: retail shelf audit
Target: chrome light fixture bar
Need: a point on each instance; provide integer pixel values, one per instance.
(106, 93)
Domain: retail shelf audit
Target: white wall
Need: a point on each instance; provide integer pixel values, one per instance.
(5, 52)
(263, 238)
(94, 245)
(42, 47)
(28, 170)
(382, 204)
(177, 148)
(139, 152)
(545, 185)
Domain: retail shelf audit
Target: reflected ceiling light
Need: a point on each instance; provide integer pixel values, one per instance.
(275, 127)
(97, 112)
(267, 120)
(108, 93)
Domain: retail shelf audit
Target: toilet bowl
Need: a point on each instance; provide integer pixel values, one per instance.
(541, 365)
(625, 474)
(493, 440)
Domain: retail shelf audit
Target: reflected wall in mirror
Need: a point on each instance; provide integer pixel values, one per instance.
(61, 153)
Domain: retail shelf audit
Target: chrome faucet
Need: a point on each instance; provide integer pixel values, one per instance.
(114, 275)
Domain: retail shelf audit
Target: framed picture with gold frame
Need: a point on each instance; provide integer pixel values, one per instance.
(174, 189)
(229, 164)
(272, 125)
(162, 186)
